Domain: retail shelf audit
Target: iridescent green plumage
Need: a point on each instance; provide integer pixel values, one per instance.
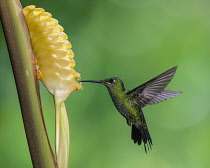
(129, 103)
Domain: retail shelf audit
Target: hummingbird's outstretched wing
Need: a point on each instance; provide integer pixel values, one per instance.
(153, 91)
(164, 95)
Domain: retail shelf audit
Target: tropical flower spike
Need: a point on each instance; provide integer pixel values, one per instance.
(54, 65)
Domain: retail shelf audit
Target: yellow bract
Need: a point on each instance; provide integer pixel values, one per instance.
(53, 53)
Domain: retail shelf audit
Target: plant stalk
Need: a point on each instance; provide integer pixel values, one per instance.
(62, 134)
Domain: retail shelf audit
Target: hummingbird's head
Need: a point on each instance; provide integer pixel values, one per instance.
(112, 83)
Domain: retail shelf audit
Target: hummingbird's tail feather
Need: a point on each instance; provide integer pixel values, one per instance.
(141, 133)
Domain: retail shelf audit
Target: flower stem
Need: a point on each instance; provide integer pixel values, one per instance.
(62, 135)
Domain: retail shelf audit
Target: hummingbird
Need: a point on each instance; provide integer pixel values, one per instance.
(130, 102)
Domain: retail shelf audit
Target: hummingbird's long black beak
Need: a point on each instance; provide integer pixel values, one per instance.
(93, 81)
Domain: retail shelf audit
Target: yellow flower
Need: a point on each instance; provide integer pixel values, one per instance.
(55, 63)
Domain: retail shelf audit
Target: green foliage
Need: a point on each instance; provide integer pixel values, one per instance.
(133, 40)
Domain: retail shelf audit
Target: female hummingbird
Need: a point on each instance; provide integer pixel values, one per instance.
(130, 103)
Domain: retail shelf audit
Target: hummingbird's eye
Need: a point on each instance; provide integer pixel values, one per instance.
(111, 80)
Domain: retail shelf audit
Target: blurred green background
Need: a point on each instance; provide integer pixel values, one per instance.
(134, 40)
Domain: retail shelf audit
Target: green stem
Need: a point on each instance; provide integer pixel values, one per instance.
(62, 134)
(21, 56)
